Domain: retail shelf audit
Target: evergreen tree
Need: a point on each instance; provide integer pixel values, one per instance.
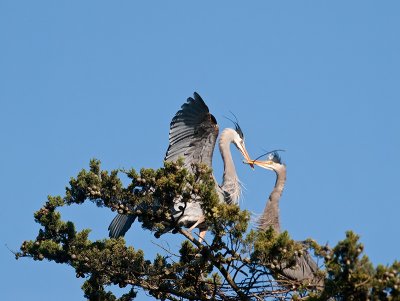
(237, 264)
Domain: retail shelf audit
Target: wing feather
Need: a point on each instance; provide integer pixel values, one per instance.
(193, 133)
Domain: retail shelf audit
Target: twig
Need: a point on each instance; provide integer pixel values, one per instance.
(168, 251)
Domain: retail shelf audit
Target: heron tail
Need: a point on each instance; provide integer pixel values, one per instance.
(120, 225)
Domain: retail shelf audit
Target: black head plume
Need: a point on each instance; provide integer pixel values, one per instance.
(237, 127)
(272, 156)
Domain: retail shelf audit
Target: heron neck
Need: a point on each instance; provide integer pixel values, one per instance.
(270, 216)
(230, 182)
(229, 166)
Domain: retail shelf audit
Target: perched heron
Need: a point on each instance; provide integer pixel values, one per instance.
(192, 136)
(305, 269)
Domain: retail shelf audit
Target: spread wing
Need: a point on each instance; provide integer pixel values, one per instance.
(193, 133)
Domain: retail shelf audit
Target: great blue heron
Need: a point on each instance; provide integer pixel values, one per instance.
(192, 136)
(305, 269)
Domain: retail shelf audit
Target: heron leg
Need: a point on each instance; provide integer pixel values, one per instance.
(202, 234)
(199, 221)
(202, 231)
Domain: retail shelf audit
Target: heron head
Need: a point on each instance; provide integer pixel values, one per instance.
(274, 157)
(238, 140)
(237, 137)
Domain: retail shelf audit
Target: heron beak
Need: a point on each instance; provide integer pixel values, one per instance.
(246, 156)
(264, 164)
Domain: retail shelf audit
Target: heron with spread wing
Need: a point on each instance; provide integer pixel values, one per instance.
(192, 137)
(305, 269)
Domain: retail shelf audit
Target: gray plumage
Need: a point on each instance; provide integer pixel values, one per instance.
(120, 224)
(305, 269)
(193, 133)
(192, 136)
(270, 216)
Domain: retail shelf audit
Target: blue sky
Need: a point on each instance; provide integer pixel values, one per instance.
(103, 79)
